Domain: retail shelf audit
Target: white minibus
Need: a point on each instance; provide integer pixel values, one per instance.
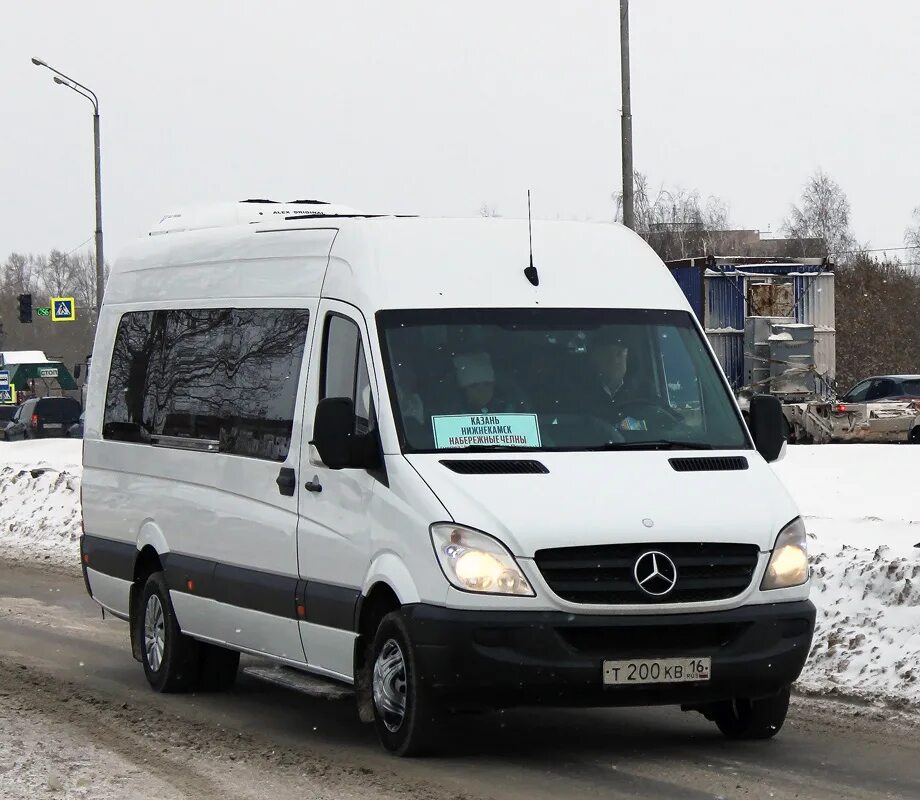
(429, 459)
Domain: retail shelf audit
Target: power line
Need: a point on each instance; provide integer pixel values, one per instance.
(71, 252)
(869, 250)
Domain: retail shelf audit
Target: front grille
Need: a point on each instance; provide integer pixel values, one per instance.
(603, 574)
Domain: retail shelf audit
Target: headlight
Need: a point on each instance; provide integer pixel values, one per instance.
(475, 562)
(789, 563)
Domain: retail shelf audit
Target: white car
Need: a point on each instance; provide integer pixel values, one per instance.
(396, 453)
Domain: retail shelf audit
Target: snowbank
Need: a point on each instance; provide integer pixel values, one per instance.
(39, 501)
(861, 505)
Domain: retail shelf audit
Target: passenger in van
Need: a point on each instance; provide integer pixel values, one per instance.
(480, 393)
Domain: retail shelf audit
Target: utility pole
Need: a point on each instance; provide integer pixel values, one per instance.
(629, 214)
(63, 80)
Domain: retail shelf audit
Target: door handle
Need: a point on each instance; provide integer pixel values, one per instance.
(314, 485)
(287, 481)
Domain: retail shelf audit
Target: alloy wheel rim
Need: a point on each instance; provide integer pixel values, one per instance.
(389, 685)
(154, 632)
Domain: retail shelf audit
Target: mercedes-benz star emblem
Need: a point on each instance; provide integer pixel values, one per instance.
(655, 573)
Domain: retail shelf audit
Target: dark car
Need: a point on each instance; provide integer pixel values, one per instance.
(884, 388)
(42, 418)
(6, 417)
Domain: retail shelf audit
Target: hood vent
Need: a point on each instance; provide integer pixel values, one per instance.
(713, 464)
(495, 467)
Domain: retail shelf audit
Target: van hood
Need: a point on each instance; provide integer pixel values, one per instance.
(593, 498)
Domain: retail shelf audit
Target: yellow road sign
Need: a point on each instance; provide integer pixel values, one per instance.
(63, 309)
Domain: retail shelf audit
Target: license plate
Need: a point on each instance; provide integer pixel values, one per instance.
(657, 670)
(52, 425)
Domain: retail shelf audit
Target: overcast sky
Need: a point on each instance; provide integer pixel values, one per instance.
(436, 106)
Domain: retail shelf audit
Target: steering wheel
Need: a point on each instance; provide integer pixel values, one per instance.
(642, 407)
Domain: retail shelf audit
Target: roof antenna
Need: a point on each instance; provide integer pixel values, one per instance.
(531, 272)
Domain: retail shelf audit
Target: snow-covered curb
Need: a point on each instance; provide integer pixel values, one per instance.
(39, 502)
(860, 502)
(862, 510)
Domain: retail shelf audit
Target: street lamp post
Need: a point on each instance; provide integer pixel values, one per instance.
(63, 80)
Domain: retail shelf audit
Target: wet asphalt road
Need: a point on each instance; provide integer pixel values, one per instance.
(51, 631)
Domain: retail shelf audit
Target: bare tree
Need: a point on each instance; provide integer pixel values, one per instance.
(912, 236)
(876, 326)
(55, 274)
(18, 274)
(677, 223)
(823, 218)
(84, 279)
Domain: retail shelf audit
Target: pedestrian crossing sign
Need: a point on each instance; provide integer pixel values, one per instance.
(8, 394)
(63, 309)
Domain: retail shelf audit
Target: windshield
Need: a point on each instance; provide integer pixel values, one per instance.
(548, 379)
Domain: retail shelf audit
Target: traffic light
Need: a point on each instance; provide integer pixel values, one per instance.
(25, 308)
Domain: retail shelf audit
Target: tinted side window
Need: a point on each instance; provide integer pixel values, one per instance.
(858, 393)
(881, 389)
(224, 377)
(345, 369)
(340, 357)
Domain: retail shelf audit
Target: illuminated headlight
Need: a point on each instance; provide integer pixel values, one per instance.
(475, 562)
(789, 562)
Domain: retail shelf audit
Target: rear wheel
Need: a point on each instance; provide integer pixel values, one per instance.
(404, 714)
(914, 437)
(170, 658)
(742, 718)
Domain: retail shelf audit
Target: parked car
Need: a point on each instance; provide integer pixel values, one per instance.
(6, 417)
(883, 408)
(884, 388)
(43, 417)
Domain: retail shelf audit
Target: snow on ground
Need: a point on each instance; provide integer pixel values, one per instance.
(40, 500)
(861, 505)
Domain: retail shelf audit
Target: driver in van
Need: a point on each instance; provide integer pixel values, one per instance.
(476, 379)
(609, 356)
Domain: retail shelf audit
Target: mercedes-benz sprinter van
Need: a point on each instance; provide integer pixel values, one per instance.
(389, 452)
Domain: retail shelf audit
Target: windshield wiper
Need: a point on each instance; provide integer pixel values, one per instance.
(653, 444)
(488, 448)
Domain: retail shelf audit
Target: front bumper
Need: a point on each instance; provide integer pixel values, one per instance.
(503, 659)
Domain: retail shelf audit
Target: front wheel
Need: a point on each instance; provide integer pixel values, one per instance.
(741, 718)
(404, 714)
(170, 658)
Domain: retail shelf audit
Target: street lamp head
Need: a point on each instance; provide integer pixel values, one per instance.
(38, 62)
(61, 82)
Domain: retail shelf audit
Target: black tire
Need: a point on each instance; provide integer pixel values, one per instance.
(914, 437)
(414, 733)
(217, 668)
(175, 668)
(751, 719)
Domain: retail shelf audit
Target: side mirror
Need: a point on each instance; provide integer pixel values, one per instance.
(333, 430)
(768, 425)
